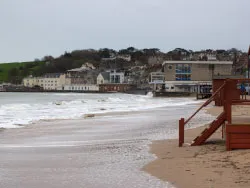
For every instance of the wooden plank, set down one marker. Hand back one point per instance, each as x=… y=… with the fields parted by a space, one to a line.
x=240 y=136
x=241 y=103
x=240 y=141
x=228 y=141
x=238 y=129
x=181 y=132
x=239 y=146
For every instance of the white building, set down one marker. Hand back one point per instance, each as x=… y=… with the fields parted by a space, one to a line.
x=30 y=81
x=112 y=77
x=57 y=81
x=117 y=77
x=157 y=77
x=81 y=87
x=103 y=78
x=50 y=81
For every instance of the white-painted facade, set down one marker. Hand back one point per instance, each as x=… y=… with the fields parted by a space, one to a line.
x=157 y=78
x=47 y=82
x=184 y=86
x=57 y=82
x=101 y=79
x=81 y=87
x=117 y=77
x=30 y=81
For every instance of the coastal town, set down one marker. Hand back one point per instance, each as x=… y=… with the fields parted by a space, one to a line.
x=124 y=94
x=178 y=72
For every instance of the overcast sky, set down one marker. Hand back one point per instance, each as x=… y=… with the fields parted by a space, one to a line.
x=34 y=28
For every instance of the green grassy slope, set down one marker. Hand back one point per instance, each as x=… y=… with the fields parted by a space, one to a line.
x=23 y=69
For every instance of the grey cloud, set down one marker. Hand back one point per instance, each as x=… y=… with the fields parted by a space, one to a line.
x=33 y=28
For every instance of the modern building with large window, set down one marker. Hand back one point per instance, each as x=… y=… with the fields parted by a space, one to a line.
x=185 y=76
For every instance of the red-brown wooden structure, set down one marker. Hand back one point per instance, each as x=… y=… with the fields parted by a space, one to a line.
x=225 y=94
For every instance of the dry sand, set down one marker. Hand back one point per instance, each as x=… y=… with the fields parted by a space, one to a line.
x=206 y=166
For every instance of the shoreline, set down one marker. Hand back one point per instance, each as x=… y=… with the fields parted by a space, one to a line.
x=98 y=152
x=209 y=165
x=102 y=113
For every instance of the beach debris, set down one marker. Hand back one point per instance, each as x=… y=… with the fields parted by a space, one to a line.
x=101 y=100
x=58 y=103
x=89 y=115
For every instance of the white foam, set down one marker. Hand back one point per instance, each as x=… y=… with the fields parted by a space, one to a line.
x=20 y=109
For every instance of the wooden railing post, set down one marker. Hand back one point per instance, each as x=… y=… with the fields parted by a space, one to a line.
x=181 y=132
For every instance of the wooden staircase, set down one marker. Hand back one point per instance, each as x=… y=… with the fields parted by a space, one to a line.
x=206 y=133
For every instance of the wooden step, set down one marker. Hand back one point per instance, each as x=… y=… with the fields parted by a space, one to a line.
x=204 y=131
x=207 y=132
x=196 y=138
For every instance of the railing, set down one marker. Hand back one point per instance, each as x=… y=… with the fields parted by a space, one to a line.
x=182 y=121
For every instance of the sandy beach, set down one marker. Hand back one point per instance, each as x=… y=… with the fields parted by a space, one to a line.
x=206 y=166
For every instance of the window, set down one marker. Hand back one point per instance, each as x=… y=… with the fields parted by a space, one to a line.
x=183 y=68
x=183 y=72
x=117 y=79
x=112 y=79
x=183 y=77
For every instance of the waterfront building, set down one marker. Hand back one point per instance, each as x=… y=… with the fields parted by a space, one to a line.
x=116 y=87
x=103 y=78
x=82 y=88
x=86 y=74
x=112 y=77
x=116 y=77
x=186 y=76
x=49 y=81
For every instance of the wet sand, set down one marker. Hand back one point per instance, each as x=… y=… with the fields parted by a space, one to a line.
x=93 y=152
x=206 y=166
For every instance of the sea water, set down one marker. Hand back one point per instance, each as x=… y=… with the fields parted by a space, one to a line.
x=104 y=151
x=23 y=108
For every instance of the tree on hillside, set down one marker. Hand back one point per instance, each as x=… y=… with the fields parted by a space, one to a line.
x=13 y=76
x=131 y=49
x=123 y=51
x=151 y=51
x=48 y=58
x=106 y=53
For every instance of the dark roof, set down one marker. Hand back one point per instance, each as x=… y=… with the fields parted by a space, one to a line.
x=105 y=75
x=52 y=75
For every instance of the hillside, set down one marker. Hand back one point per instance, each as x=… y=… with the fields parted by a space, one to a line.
x=14 y=72
x=139 y=62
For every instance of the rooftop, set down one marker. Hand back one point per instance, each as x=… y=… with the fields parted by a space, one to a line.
x=105 y=75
